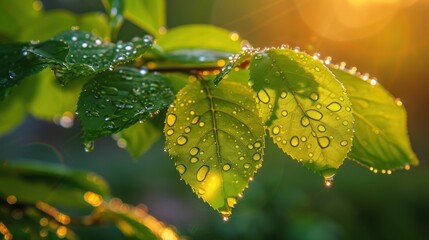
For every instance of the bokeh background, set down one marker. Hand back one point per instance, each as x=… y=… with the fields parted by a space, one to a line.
x=389 y=39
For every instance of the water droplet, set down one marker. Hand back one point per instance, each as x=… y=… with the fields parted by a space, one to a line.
x=202 y=173
x=344 y=143
x=256 y=157
x=314 y=114
x=329 y=181
x=323 y=142
x=109 y=91
x=321 y=128
x=201 y=191
x=345 y=122
x=334 y=107
x=283 y=94
x=348 y=109
x=314 y=96
x=194 y=151
x=304 y=139
x=317 y=69
x=257 y=56
x=195 y=120
x=170 y=132
x=89 y=146
x=304 y=121
x=225 y=217
x=12 y=74
x=181 y=168
x=182 y=140
x=171 y=119
x=231 y=201
x=263 y=96
x=84 y=45
x=257 y=145
x=284 y=113
x=201 y=124
x=246 y=166
x=226 y=167
x=250 y=146
x=275 y=130
x=187 y=130
x=294 y=141
x=194 y=160
x=267 y=81
x=398 y=102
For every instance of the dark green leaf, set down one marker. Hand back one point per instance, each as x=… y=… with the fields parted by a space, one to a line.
x=21 y=60
x=381 y=140
x=140 y=137
x=89 y=55
x=31 y=182
x=305 y=108
x=28 y=222
x=216 y=139
x=115 y=100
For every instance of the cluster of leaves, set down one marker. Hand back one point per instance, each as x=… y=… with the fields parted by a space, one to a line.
x=220 y=110
x=32 y=189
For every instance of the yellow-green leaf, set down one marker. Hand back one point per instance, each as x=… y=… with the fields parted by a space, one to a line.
x=139 y=137
x=381 y=140
x=216 y=139
x=306 y=109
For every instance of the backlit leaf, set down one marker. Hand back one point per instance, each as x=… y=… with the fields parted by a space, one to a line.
x=381 y=140
x=147 y=14
x=89 y=55
x=139 y=137
x=305 y=108
x=233 y=62
x=216 y=139
x=31 y=182
x=115 y=100
x=53 y=22
x=199 y=36
x=17 y=15
x=60 y=100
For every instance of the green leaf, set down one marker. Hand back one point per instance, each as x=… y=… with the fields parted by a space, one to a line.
x=115 y=11
x=89 y=55
x=32 y=182
x=381 y=140
x=53 y=22
x=47 y=25
x=305 y=108
x=199 y=36
x=17 y=15
x=146 y=14
x=21 y=60
x=235 y=61
x=28 y=222
x=60 y=100
x=196 y=56
x=216 y=139
x=139 y=137
x=14 y=107
x=115 y=100
x=129 y=220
